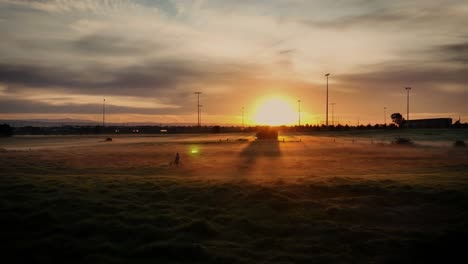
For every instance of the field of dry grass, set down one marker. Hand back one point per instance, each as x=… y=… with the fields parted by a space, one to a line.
x=309 y=199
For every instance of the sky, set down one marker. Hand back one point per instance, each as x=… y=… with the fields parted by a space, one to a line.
x=61 y=58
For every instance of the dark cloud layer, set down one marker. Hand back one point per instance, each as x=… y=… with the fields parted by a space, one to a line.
x=407 y=75
x=375 y=18
x=139 y=80
x=448 y=66
x=99 y=44
x=397 y=16
x=457 y=52
x=434 y=89
x=169 y=82
x=18 y=106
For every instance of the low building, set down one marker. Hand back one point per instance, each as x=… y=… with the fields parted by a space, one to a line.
x=429 y=123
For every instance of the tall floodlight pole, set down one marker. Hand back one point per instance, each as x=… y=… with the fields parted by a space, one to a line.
x=385 y=115
x=103 y=112
x=326 y=122
x=333 y=113
x=299 y=111
x=407 y=103
x=198 y=108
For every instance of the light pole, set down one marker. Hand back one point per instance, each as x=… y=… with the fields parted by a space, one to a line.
x=385 y=116
x=198 y=108
x=299 y=111
x=333 y=113
x=407 y=104
x=103 y=112
x=199 y=114
x=326 y=119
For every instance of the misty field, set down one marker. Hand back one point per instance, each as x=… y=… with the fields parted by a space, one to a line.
x=325 y=198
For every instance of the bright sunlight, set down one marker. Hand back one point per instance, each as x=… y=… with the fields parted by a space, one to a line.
x=275 y=111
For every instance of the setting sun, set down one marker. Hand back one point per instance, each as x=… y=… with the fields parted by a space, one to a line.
x=275 y=111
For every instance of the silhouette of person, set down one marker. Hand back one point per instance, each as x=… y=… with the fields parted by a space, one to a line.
x=177 y=159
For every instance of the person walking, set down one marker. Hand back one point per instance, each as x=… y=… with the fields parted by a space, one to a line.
x=177 y=159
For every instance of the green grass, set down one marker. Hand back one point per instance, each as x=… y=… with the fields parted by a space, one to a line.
x=55 y=209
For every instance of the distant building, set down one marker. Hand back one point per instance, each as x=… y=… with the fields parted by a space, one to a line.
x=429 y=123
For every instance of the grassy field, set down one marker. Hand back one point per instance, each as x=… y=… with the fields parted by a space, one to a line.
x=332 y=198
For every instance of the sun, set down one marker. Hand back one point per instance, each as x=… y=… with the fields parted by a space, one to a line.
x=275 y=111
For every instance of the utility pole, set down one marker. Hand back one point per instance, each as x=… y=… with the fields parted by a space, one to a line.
x=299 y=111
x=385 y=115
x=333 y=113
x=104 y=112
x=198 y=109
x=407 y=104
x=326 y=122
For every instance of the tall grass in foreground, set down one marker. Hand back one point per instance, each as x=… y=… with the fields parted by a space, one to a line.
x=90 y=218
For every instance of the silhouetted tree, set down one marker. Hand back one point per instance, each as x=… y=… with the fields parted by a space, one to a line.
x=6 y=130
x=398 y=119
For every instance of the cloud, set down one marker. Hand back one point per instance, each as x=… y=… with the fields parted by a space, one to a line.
x=170 y=82
x=375 y=18
x=404 y=75
x=69 y=6
x=19 y=106
x=142 y=79
x=286 y=51
x=457 y=52
x=98 y=44
x=435 y=89
x=396 y=16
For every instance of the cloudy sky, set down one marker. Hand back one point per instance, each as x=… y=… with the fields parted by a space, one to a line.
x=60 y=58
